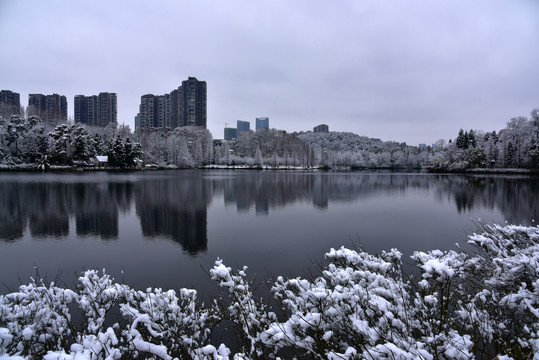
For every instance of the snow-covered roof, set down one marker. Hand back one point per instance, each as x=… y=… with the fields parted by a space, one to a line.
x=102 y=158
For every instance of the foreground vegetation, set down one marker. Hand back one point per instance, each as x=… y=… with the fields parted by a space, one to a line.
x=361 y=306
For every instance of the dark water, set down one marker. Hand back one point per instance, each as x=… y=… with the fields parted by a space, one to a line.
x=160 y=228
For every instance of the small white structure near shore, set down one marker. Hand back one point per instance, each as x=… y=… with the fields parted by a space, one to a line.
x=101 y=160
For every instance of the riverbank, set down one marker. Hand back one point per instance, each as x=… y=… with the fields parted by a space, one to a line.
x=66 y=168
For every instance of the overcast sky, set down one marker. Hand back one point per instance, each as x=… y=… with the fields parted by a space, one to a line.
x=413 y=71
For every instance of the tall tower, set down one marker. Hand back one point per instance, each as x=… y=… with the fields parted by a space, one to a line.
x=106 y=109
x=242 y=126
x=262 y=123
x=192 y=99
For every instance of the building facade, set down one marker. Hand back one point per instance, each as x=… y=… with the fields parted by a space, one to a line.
x=96 y=110
x=322 y=128
x=262 y=123
x=230 y=133
x=242 y=126
x=50 y=108
x=10 y=103
x=192 y=103
x=184 y=106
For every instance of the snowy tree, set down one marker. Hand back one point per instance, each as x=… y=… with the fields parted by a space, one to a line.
x=82 y=144
x=258 y=158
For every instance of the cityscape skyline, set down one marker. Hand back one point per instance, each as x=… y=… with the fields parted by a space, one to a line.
x=410 y=72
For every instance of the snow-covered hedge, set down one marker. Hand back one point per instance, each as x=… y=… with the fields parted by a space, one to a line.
x=456 y=306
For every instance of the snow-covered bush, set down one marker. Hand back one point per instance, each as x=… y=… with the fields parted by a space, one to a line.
x=482 y=305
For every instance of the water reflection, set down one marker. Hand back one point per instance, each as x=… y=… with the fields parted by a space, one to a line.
x=175 y=208
x=174 y=205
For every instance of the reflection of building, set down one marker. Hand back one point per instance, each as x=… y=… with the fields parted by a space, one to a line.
x=96 y=211
x=50 y=108
x=12 y=213
x=322 y=128
x=175 y=209
x=101 y=223
x=320 y=192
x=96 y=110
x=184 y=106
x=262 y=123
x=10 y=103
x=242 y=126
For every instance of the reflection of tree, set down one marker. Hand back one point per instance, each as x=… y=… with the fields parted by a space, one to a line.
x=175 y=204
x=46 y=206
x=514 y=196
x=175 y=207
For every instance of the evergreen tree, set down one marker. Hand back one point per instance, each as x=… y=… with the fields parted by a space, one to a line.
x=461 y=141
x=128 y=153
x=116 y=153
x=472 y=141
x=81 y=144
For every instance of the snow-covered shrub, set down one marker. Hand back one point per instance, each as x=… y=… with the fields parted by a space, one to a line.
x=247 y=314
x=163 y=323
x=509 y=263
x=482 y=305
x=35 y=319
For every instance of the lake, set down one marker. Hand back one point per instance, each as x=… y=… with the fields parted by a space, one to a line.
x=162 y=228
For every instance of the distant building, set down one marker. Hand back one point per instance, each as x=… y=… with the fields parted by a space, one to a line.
x=146 y=118
x=262 y=123
x=192 y=103
x=10 y=103
x=422 y=146
x=322 y=128
x=184 y=106
x=96 y=110
x=50 y=108
x=230 y=133
x=242 y=126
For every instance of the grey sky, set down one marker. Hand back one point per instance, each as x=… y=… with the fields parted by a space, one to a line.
x=412 y=71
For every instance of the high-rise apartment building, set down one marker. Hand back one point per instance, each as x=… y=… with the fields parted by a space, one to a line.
x=146 y=118
x=242 y=126
x=50 y=108
x=107 y=109
x=192 y=101
x=96 y=110
x=230 y=133
x=262 y=123
x=10 y=103
x=184 y=106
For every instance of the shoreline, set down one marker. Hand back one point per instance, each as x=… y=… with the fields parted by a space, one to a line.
x=73 y=169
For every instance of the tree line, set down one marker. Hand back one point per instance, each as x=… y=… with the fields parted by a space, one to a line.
x=27 y=141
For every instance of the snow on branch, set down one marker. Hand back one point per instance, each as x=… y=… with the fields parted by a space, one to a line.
x=455 y=305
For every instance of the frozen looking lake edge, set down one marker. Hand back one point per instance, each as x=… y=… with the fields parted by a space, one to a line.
x=483 y=304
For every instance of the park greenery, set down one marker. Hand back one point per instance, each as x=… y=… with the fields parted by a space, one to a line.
x=27 y=142
x=452 y=305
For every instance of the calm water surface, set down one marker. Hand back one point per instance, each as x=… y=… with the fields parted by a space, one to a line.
x=159 y=228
